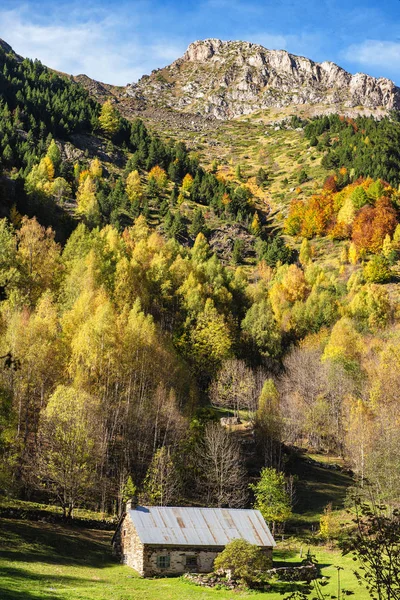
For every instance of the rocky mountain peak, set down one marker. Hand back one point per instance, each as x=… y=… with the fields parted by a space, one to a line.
x=8 y=49
x=226 y=79
x=202 y=50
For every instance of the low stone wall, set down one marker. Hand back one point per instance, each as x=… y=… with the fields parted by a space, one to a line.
x=302 y=573
x=211 y=580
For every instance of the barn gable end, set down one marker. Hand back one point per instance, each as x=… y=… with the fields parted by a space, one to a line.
x=127 y=545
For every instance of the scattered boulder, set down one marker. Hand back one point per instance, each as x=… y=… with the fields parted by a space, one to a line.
x=223 y=238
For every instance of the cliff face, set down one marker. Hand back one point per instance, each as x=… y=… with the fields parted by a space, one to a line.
x=229 y=79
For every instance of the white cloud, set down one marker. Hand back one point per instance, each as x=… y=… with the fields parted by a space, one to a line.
x=93 y=47
x=374 y=53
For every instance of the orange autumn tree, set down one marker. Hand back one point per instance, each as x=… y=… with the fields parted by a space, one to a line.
x=372 y=224
x=318 y=216
x=311 y=218
x=330 y=184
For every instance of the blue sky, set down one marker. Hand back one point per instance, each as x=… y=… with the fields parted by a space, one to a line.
x=117 y=42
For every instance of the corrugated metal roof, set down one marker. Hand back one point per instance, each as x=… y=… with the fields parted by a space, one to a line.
x=186 y=526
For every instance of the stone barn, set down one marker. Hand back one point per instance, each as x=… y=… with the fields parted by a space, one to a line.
x=157 y=540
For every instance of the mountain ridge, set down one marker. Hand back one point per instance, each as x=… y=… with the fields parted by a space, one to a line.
x=216 y=79
x=227 y=79
x=9 y=50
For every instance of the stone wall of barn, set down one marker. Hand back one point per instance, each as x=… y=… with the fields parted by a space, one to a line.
x=127 y=545
x=180 y=559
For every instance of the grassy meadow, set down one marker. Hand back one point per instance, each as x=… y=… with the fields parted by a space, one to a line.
x=42 y=561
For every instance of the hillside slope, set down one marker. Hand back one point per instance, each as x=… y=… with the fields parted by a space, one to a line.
x=178 y=277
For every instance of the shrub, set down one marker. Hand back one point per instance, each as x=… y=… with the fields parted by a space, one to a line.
x=303 y=177
x=329 y=524
x=245 y=561
x=377 y=270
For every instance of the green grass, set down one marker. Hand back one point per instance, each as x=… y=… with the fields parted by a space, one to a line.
x=316 y=487
x=40 y=561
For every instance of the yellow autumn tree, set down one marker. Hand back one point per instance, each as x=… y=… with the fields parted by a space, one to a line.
x=34 y=337
x=269 y=422
x=226 y=200
x=371 y=306
x=396 y=237
x=47 y=165
x=256 y=224
x=344 y=344
x=159 y=176
x=289 y=286
x=40 y=177
x=353 y=254
x=305 y=252
x=388 y=247
x=344 y=255
x=95 y=169
x=69 y=446
x=210 y=340
x=87 y=205
x=187 y=184
x=347 y=212
x=109 y=119
x=329 y=524
x=53 y=152
x=39 y=258
x=94 y=351
x=134 y=188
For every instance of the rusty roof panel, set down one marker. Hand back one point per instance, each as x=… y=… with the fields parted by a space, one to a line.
x=187 y=526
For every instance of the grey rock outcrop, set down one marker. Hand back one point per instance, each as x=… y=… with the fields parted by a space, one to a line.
x=229 y=79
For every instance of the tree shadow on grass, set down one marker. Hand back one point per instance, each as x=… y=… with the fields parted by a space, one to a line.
x=287 y=587
x=48 y=584
x=317 y=486
x=54 y=544
x=6 y=594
